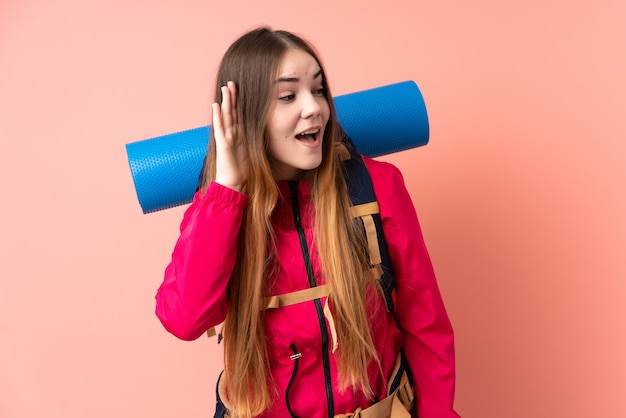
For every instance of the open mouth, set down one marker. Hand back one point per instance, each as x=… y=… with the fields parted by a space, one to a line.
x=309 y=136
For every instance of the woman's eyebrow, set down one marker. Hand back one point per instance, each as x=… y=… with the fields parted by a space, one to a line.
x=296 y=79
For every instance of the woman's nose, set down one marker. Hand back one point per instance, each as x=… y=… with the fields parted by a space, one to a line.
x=311 y=105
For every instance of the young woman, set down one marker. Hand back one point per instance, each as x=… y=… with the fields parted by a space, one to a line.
x=272 y=218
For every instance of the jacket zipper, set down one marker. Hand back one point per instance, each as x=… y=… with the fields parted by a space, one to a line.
x=293 y=188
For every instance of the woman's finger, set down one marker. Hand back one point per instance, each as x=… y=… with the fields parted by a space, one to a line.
x=227 y=111
x=232 y=87
x=218 y=129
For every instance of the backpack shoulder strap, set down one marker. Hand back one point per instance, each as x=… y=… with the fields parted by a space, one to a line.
x=365 y=208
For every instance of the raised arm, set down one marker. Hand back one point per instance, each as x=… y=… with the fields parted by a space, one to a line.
x=193 y=295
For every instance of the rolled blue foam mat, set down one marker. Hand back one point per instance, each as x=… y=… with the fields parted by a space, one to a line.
x=380 y=121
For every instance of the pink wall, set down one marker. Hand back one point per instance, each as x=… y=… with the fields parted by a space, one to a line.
x=522 y=191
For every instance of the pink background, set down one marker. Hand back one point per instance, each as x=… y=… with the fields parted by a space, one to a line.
x=521 y=192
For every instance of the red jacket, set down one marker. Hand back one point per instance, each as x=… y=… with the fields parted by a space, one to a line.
x=193 y=299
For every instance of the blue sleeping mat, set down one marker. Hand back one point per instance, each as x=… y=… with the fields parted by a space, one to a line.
x=380 y=121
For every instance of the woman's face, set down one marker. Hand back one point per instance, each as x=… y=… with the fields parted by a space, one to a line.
x=297 y=116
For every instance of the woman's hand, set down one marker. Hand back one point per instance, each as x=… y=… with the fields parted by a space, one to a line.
x=231 y=165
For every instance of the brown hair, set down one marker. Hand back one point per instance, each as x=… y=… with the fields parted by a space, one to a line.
x=252 y=62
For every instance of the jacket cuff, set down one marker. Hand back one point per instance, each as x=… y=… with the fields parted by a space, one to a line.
x=222 y=197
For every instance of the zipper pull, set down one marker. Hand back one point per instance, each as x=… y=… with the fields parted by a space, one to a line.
x=295 y=355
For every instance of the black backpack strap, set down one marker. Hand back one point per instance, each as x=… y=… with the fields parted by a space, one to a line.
x=365 y=207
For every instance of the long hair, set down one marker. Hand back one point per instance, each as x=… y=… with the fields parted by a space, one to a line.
x=252 y=62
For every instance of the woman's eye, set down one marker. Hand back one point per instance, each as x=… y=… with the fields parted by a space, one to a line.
x=320 y=92
x=287 y=97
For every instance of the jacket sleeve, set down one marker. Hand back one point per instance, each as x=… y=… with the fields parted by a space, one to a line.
x=192 y=297
x=428 y=341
